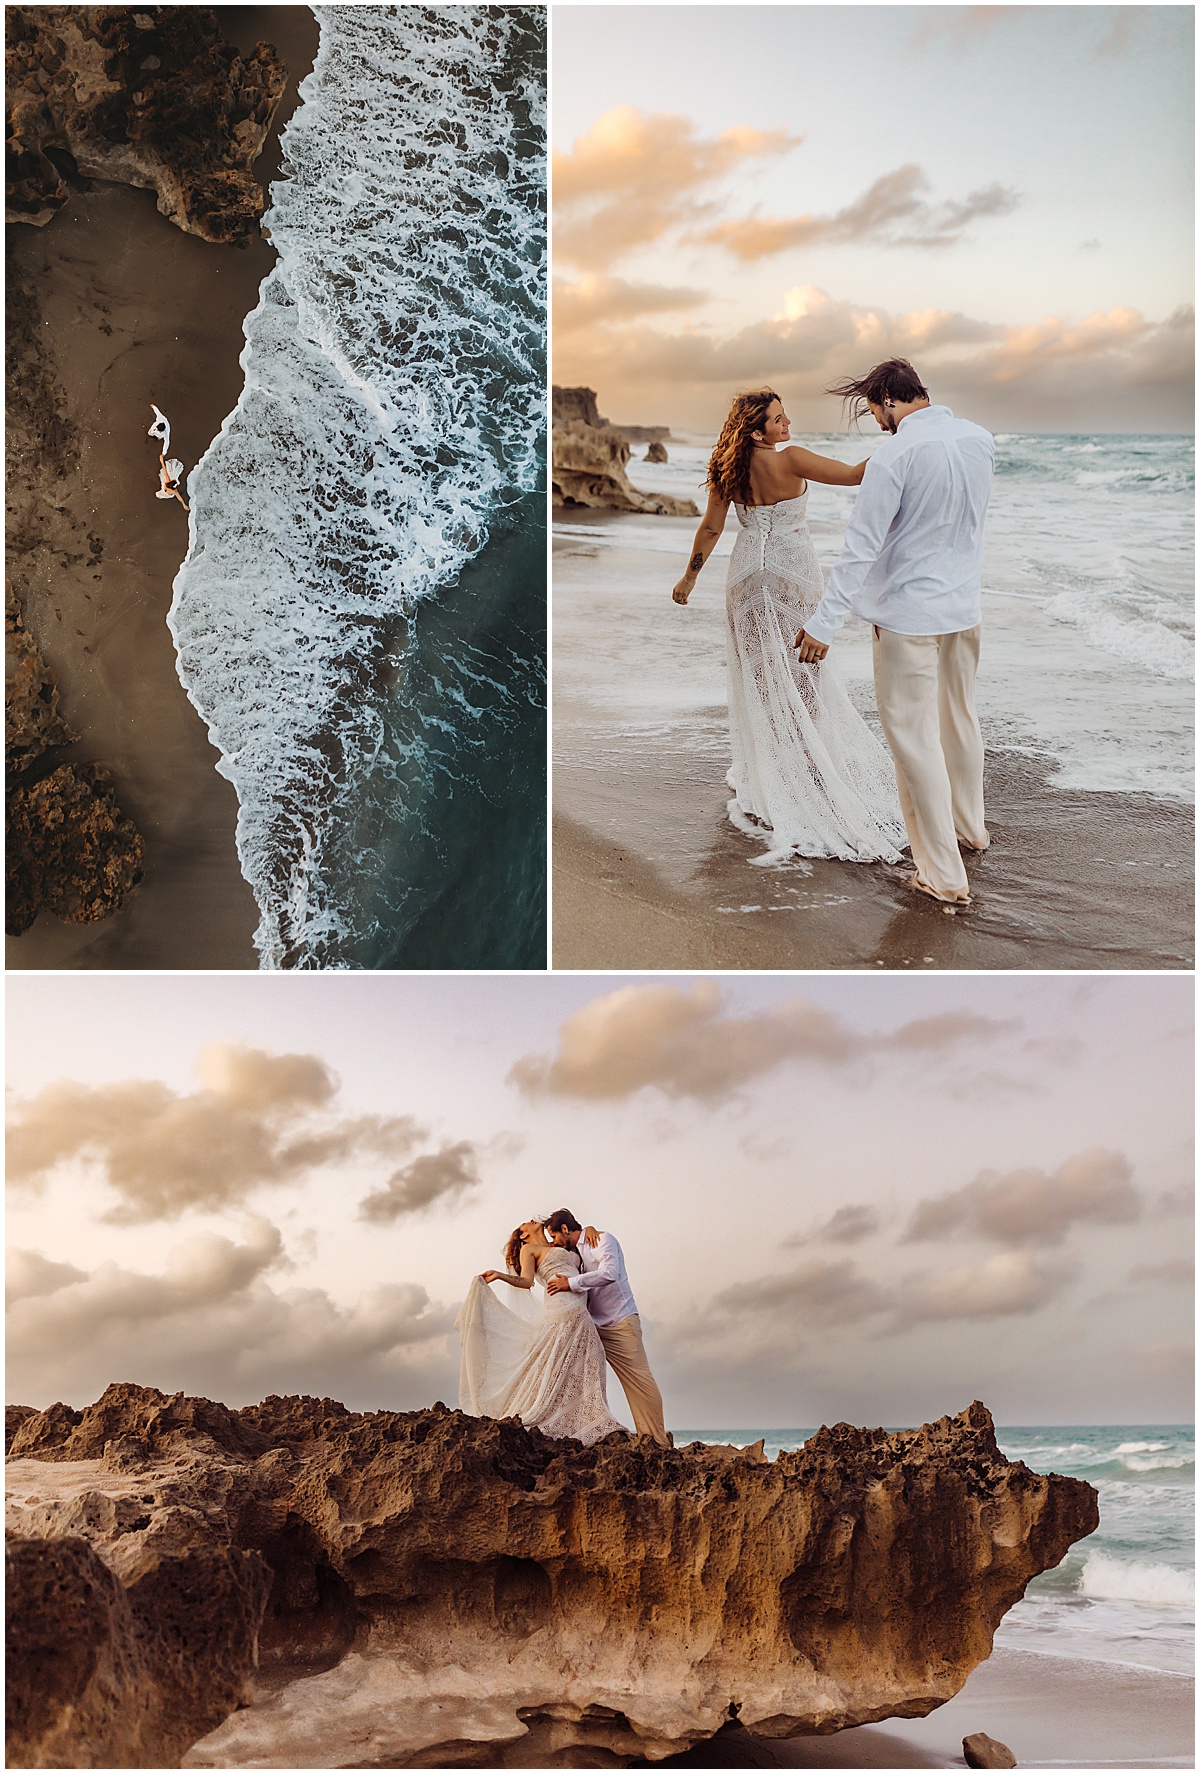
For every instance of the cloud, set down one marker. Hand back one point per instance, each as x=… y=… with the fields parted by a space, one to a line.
x=1177 y=1272
x=441 y=1176
x=818 y=1291
x=258 y=1119
x=893 y=212
x=1057 y=373
x=847 y=1226
x=595 y=299
x=212 y=1323
x=684 y=1042
x=1010 y=1283
x=964 y=25
x=1168 y=1361
x=1033 y=1206
x=634 y=177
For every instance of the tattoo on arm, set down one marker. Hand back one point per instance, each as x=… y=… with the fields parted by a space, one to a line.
x=696 y=562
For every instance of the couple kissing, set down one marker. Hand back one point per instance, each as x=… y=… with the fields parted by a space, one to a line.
x=548 y=1366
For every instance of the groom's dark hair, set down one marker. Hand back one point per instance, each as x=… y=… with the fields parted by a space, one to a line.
x=894 y=380
x=563 y=1221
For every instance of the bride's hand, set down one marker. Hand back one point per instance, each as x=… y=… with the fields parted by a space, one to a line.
x=491 y=1275
x=683 y=590
x=591 y=1235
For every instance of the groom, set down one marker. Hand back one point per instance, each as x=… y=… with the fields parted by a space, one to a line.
x=910 y=566
x=614 y=1313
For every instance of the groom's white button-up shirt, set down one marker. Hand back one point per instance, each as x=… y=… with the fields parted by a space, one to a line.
x=604 y=1281
x=913 y=549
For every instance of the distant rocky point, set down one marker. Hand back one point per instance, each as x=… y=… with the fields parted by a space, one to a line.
x=590 y=456
x=296 y=1584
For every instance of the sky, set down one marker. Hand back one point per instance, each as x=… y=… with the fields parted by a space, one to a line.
x=868 y=1200
x=787 y=194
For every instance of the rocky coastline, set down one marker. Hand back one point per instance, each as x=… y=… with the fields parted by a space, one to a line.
x=589 y=457
x=295 y=1584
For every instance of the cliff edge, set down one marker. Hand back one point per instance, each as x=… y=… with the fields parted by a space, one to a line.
x=589 y=458
x=431 y=1589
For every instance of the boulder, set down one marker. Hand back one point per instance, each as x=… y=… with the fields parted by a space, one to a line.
x=657 y=452
x=153 y=97
x=449 y=1590
x=982 y=1751
x=70 y=849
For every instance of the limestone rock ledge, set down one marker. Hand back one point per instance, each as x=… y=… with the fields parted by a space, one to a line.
x=150 y=96
x=452 y=1591
x=589 y=457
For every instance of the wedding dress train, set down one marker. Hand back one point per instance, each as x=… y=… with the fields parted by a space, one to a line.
x=808 y=774
x=547 y=1368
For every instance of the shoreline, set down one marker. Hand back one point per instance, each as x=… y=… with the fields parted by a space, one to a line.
x=1051 y=1710
x=624 y=896
x=649 y=872
x=130 y=309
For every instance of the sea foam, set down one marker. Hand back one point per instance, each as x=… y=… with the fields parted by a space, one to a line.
x=1134 y=1580
x=393 y=414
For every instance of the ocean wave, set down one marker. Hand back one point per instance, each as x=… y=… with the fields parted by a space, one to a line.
x=1106 y=1578
x=1151 y=645
x=392 y=417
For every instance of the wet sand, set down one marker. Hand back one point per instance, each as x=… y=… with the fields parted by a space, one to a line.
x=649 y=873
x=131 y=310
x=1052 y=1712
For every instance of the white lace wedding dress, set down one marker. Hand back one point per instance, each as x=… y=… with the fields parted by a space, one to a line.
x=808 y=774
x=547 y=1368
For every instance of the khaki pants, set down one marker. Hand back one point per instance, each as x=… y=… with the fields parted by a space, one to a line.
x=627 y=1359
x=925 y=693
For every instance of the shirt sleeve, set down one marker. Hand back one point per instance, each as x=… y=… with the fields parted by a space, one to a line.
x=607 y=1258
x=877 y=504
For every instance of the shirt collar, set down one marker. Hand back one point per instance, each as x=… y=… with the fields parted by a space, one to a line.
x=924 y=413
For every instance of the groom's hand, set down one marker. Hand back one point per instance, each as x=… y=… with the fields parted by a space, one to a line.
x=557 y=1283
x=811 y=651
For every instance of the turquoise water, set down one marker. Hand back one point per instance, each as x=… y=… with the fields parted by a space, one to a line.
x=1126 y=1594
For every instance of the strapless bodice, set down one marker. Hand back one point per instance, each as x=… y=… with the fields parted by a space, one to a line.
x=785 y=514
x=557 y=1262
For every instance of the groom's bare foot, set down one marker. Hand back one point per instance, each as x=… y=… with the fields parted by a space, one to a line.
x=966 y=844
x=944 y=900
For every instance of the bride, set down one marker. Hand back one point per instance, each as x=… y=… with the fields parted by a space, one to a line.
x=808 y=774
x=547 y=1368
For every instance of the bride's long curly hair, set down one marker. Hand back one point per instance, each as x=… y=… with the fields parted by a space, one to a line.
x=729 y=464
x=512 y=1250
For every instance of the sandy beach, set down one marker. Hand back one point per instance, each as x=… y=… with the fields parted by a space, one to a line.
x=1052 y=1712
x=648 y=871
x=128 y=310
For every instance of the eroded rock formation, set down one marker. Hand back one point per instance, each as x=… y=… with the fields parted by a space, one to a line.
x=70 y=849
x=32 y=721
x=455 y=1591
x=589 y=458
x=588 y=468
x=153 y=97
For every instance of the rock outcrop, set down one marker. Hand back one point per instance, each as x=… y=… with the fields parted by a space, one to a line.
x=153 y=97
x=32 y=721
x=455 y=1591
x=70 y=849
x=589 y=458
